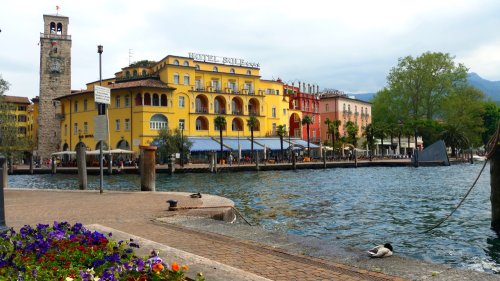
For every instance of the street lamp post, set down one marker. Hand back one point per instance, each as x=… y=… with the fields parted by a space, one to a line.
x=101 y=109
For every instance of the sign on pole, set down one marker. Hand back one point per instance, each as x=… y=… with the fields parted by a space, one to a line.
x=102 y=94
x=100 y=128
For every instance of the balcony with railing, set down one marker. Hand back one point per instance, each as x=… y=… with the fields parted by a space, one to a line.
x=253 y=113
x=201 y=109
x=220 y=111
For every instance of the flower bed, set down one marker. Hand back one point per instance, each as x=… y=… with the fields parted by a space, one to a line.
x=66 y=252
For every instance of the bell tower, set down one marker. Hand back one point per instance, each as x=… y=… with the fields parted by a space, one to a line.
x=55 y=81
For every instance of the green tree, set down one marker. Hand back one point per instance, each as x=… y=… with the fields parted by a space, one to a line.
x=252 y=123
x=464 y=109
x=416 y=90
x=220 y=122
x=352 y=133
x=171 y=142
x=281 y=132
x=423 y=82
x=307 y=120
x=369 y=133
x=490 y=116
x=454 y=136
x=4 y=85
x=12 y=143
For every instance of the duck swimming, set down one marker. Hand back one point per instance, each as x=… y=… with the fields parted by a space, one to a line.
x=381 y=251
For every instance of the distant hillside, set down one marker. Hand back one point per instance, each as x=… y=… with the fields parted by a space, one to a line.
x=490 y=88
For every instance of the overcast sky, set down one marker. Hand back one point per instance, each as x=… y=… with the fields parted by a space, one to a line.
x=345 y=45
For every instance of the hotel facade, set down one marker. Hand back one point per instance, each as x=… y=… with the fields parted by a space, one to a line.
x=177 y=92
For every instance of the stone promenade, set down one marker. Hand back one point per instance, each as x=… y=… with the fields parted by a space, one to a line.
x=136 y=213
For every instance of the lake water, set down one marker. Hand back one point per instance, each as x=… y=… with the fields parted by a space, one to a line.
x=358 y=207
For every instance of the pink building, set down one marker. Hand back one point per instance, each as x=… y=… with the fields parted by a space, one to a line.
x=336 y=105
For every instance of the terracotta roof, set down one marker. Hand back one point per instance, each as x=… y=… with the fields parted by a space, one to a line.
x=149 y=83
x=146 y=83
x=14 y=99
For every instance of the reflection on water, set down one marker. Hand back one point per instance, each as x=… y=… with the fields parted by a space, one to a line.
x=359 y=207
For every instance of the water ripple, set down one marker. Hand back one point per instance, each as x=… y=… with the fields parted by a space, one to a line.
x=360 y=207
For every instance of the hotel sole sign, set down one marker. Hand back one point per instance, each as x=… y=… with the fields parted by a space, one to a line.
x=223 y=60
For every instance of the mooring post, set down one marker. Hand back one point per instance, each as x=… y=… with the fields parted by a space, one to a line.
x=148 y=168
x=171 y=164
x=324 y=160
x=31 y=162
x=294 y=160
x=110 y=164
x=355 y=158
x=257 y=161
x=81 y=163
x=495 y=189
x=215 y=162
x=54 y=165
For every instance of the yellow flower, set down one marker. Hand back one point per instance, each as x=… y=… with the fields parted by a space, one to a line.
x=185 y=268
x=69 y=279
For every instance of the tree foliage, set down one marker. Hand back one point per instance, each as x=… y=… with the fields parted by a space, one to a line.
x=12 y=143
x=307 y=120
x=4 y=85
x=490 y=117
x=171 y=142
x=252 y=123
x=426 y=96
x=220 y=122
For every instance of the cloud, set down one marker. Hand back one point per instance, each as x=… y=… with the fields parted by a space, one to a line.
x=348 y=45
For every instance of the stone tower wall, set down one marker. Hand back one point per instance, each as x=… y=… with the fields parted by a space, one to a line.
x=55 y=81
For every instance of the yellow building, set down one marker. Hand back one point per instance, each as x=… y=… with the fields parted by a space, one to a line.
x=18 y=110
x=177 y=92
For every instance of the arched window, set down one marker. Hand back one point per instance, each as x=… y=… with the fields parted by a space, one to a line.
x=215 y=69
x=123 y=144
x=52 y=27
x=59 y=28
x=163 y=101
x=176 y=78
x=186 y=79
x=186 y=63
x=127 y=74
x=232 y=71
x=156 y=100
x=134 y=74
x=144 y=72
x=138 y=99
x=249 y=72
x=176 y=62
x=147 y=99
x=158 y=122
x=197 y=67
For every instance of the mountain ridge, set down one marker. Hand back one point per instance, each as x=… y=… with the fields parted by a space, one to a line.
x=490 y=88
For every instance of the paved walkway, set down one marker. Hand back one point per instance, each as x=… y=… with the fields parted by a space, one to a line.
x=136 y=213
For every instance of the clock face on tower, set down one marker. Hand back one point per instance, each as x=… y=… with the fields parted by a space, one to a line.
x=55 y=65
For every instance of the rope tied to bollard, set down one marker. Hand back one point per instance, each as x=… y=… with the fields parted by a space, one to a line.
x=490 y=146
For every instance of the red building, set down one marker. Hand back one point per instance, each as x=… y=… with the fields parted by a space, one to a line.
x=304 y=97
